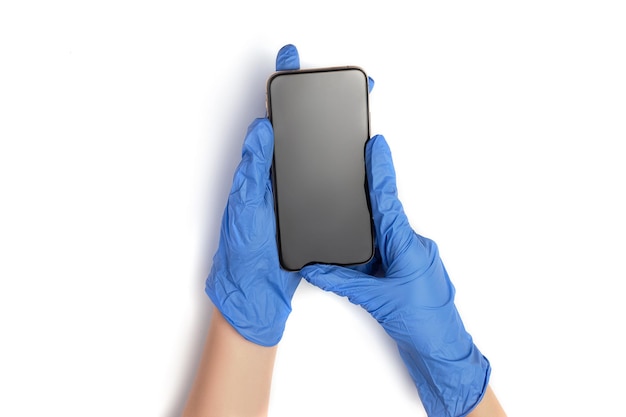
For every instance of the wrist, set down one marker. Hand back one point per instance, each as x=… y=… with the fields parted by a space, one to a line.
x=234 y=376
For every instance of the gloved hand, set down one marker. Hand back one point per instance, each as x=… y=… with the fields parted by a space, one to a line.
x=407 y=290
x=246 y=282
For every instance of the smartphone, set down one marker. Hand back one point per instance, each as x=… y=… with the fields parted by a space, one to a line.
x=321 y=200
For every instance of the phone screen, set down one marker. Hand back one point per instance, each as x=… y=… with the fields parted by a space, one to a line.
x=321 y=124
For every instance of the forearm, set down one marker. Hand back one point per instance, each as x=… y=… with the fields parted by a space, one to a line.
x=234 y=375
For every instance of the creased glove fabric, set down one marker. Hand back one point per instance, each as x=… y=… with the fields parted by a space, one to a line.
x=246 y=282
x=408 y=291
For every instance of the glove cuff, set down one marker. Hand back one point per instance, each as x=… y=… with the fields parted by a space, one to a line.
x=266 y=332
x=449 y=371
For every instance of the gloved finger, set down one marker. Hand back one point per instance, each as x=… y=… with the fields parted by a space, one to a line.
x=252 y=174
x=342 y=281
x=370 y=84
x=373 y=267
x=287 y=58
x=393 y=232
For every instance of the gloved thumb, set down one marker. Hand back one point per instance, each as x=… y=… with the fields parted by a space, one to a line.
x=342 y=281
x=253 y=172
x=393 y=232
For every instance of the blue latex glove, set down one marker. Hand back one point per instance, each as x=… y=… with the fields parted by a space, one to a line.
x=407 y=290
x=246 y=282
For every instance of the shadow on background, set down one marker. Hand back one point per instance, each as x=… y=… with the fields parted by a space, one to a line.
x=250 y=103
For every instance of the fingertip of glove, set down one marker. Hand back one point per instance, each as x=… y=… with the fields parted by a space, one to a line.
x=261 y=125
x=260 y=135
x=377 y=144
x=288 y=58
x=378 y=156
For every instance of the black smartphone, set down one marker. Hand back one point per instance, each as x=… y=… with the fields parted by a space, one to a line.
x=321 y=125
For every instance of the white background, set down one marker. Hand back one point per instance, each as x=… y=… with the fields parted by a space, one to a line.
x=121 y=124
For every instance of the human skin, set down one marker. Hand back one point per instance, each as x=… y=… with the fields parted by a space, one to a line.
x=489 y=406
x=235 y=376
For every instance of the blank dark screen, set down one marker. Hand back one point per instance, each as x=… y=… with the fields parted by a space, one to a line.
x=321 y=125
